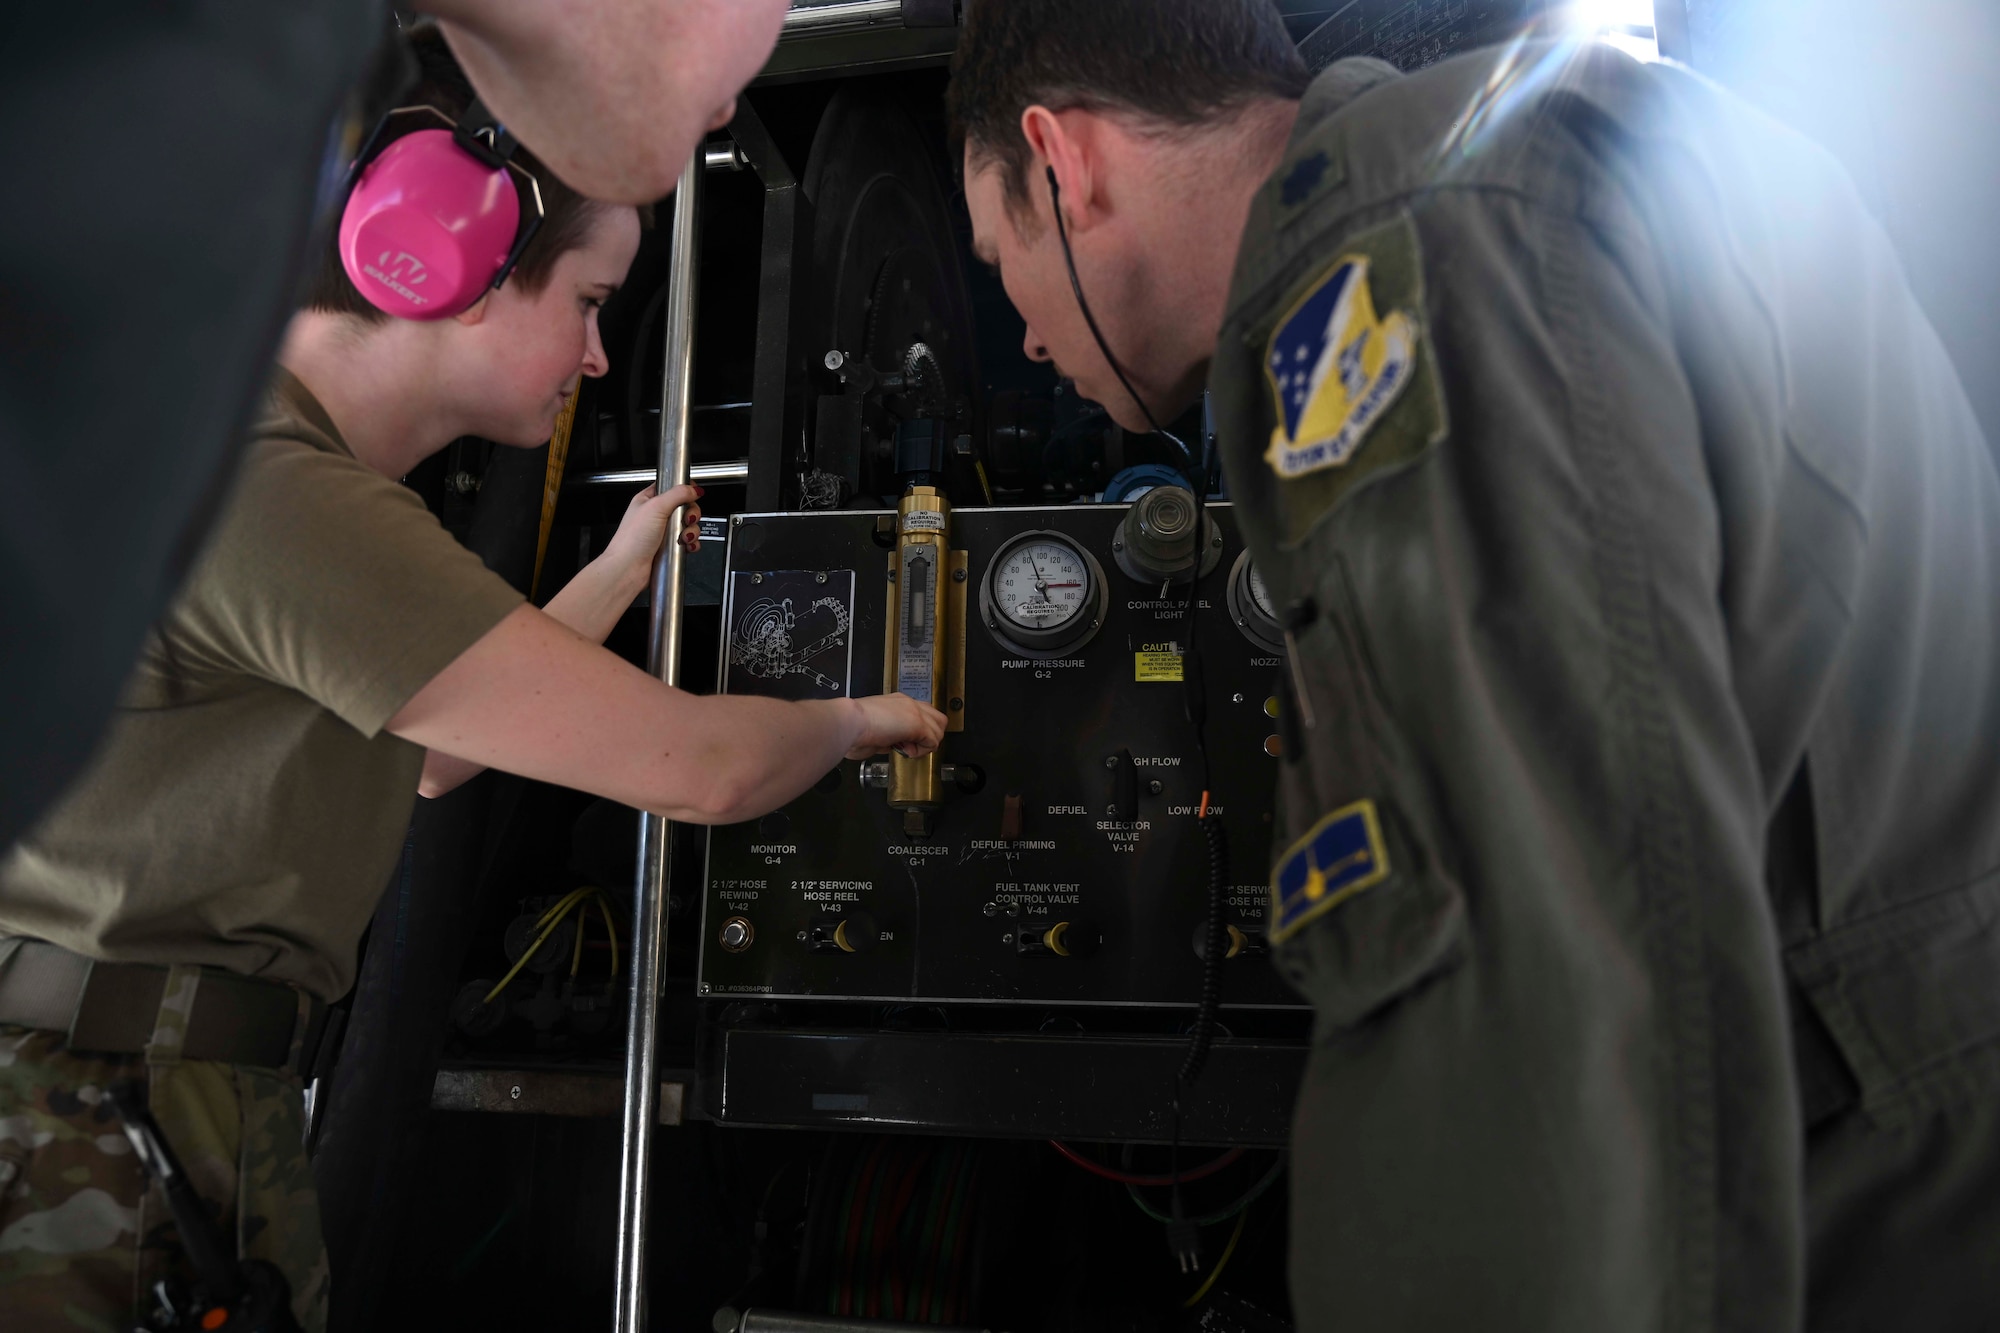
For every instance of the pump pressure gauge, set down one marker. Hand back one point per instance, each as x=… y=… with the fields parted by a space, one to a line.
x=1043 y=595
x=1251 y=607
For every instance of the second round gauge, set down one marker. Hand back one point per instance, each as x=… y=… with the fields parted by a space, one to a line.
x=1043 y=595
x=1251 y=607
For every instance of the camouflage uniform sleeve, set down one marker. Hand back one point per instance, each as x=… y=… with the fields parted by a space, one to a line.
x=1550 y=1082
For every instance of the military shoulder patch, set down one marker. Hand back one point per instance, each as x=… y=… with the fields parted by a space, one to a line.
x=1341 y=856
x=1334 y=368
x=1351 y=383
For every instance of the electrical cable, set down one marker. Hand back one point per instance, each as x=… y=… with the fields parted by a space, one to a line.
x=559 y=911
x=1213 y=951
x=1222 y=1214
x=859 y=1196
x=884 y=1282
x=1076 y=285
x=892 y=1279
x=1096 y=1168
x=919 y=1292
x=604 y=906
x=1220 y=1264
x=1195 y=702
x=955 y=1295
x=953 y=1231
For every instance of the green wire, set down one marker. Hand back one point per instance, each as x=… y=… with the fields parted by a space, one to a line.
x=961 y=1188
x=854 y=1278
x=864 y=1255
x=846 y=1216
x=1231 y=1210
x=913 y=1298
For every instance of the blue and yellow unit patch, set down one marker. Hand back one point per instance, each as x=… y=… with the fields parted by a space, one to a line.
x=1334 y=368
x=1343 y=855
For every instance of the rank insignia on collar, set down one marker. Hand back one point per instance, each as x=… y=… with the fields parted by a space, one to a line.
x=1341 y=856
x=1334 y=369
x=1302 y=179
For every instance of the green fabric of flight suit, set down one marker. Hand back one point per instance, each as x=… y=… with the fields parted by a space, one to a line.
x=1658 y=617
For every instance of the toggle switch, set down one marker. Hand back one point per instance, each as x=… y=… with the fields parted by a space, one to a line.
x=1010 y=817
x=1124 y=787
x=1237 y=941
x=856 y=932
x=1059 y=939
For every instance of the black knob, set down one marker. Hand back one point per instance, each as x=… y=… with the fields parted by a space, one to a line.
x=1234 y=941
x=1073 y=939
x=857 y=933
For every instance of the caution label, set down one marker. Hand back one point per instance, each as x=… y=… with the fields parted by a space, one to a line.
x=1156 y=661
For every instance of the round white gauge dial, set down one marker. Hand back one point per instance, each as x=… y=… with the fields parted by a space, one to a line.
x=1252 y=607
x=1260 y=594
x=1042 y=585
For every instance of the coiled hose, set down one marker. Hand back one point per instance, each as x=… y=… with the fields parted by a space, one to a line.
x=1213 y=949
x=920 y=366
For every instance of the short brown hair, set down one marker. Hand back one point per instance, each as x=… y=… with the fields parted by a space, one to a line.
x=567 y=215
x=1179 y=62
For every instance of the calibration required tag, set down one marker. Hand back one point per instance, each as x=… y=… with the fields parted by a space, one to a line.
x=923 y=520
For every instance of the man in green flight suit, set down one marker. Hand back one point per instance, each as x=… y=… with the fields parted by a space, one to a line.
x=1641 y=559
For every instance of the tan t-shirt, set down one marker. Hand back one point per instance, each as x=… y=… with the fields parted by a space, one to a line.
x=247 y=808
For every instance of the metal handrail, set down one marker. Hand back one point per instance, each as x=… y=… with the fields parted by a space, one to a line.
x=810 y=20
x=702 y=474
x=649 y=917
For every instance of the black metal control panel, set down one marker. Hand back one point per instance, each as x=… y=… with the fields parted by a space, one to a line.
x=1065 y=865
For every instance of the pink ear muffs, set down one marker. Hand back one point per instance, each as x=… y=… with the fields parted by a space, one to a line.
x=433 y=221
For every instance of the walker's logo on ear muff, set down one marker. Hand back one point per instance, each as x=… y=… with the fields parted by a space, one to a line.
x=395 y=273
x=448 y=192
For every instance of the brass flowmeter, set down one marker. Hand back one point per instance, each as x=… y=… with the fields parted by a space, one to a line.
x=925 y=648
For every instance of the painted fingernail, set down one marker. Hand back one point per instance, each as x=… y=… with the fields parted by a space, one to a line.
x=700 y=491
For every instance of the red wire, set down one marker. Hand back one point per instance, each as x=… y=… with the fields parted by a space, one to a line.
x=1096 y=1168
x=934 y=1269
x=954 y=1296
x=903 y=1199
x=854 y=1224
x=889 y=1184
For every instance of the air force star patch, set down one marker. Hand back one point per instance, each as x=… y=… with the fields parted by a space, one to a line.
x=1334 y=368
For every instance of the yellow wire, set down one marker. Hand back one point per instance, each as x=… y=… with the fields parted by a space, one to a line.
x=576 y=954
x=1216 y=1272
x=563 y=904
x=604 y=906
x=561 y=910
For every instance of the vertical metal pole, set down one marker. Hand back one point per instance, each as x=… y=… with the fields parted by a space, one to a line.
x=1670 y=30
x=649 y=915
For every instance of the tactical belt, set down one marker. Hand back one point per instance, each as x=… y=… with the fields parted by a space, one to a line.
x=114 y=1008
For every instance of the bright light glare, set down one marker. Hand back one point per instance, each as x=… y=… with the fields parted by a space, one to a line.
x=1612 y=13
x=1625 y=24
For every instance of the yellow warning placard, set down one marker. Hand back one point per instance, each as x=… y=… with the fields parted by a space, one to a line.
x=1156 y=661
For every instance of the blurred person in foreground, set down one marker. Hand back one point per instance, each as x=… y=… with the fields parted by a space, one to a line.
x=168 y=162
